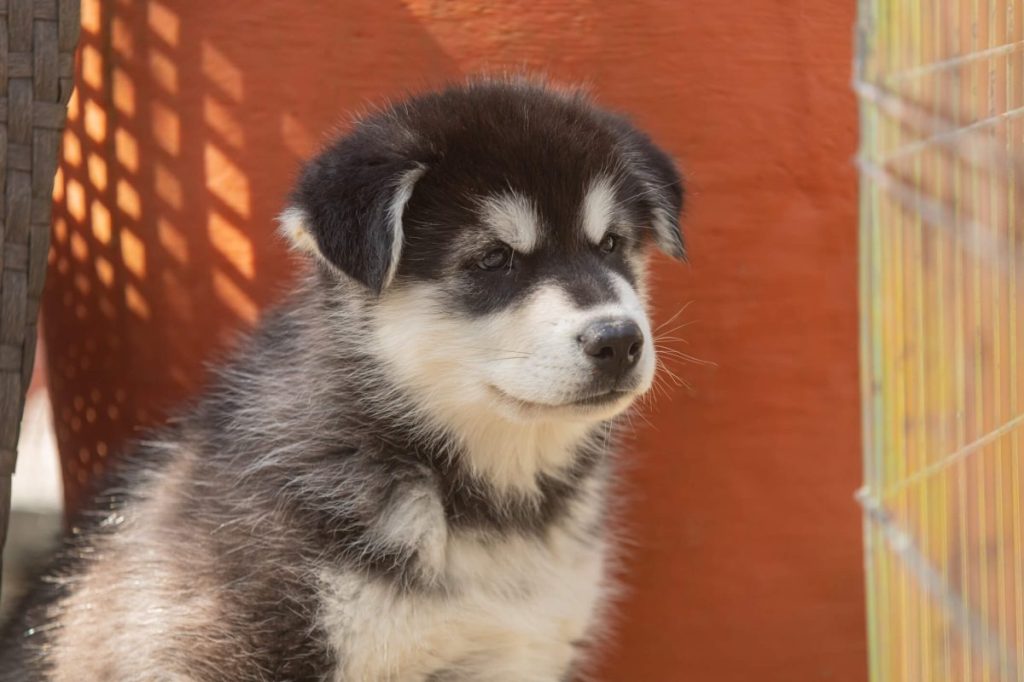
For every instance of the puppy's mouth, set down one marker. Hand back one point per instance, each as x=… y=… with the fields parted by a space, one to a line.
x=600 y=399
x=595 y=400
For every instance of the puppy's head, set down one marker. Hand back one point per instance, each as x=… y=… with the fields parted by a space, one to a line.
x=497 y=231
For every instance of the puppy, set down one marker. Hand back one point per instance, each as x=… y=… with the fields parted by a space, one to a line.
x=402 y=474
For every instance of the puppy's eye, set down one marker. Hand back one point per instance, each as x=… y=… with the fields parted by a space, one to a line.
x=498 y=257
x=609 y=243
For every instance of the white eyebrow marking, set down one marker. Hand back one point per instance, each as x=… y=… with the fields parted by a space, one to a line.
x=514 y=218
x=598 y=208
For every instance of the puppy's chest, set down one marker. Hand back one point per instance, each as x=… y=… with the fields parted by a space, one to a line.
x=519 y=608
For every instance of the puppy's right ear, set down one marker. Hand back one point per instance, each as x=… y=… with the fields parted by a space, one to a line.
x=347 y=209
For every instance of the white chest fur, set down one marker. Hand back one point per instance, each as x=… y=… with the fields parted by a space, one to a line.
x=514 y=609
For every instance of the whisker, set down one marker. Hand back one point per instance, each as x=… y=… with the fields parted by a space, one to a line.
x=676 y=328
x=676 y=353
x=668 y=373
x=677 y=339
x=672 y=376
x=674 y=317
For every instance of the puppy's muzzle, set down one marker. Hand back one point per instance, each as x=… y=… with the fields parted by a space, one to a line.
x=614 y=346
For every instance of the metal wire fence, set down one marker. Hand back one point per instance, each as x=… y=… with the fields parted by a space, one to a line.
x=941 y=93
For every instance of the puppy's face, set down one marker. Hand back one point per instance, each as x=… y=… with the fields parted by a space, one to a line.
x=500 y=231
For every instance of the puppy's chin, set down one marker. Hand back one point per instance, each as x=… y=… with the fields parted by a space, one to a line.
x=592 y=408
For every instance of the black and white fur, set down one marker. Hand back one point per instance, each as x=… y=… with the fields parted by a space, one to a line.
x=401 y=475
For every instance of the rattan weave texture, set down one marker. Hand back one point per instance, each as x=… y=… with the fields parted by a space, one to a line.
x=37 y=45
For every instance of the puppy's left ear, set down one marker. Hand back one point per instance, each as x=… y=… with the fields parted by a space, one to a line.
x=664 y=189
x=348 y=206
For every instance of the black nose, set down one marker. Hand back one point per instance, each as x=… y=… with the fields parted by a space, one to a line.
x=614 y=345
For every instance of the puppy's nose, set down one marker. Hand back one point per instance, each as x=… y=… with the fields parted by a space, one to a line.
x=614 y=345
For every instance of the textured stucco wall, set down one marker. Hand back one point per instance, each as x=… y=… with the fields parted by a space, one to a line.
x=188 y=125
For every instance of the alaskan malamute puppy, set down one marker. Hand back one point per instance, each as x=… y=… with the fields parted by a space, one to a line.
x=402 y=474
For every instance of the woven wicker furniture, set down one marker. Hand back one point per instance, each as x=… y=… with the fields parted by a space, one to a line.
x=37 y=44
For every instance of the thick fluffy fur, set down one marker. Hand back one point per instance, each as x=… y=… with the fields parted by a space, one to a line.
x=402 y=474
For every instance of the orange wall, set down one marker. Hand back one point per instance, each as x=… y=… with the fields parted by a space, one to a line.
x=188 y=125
